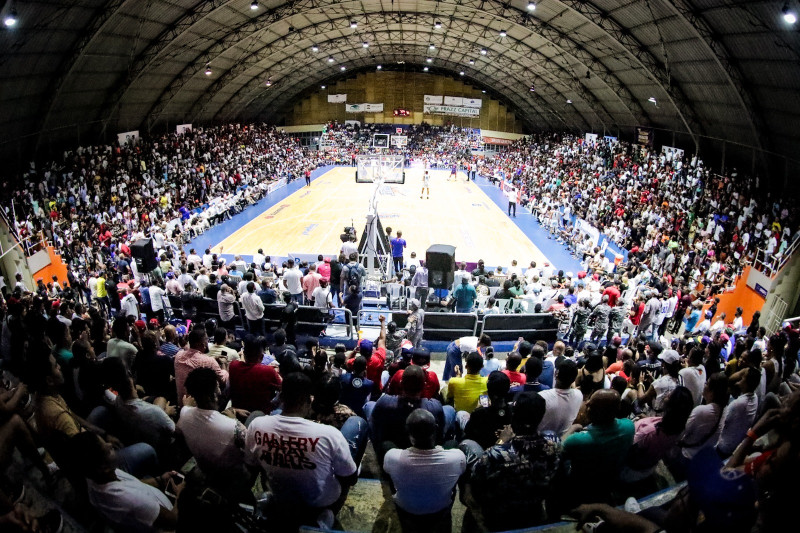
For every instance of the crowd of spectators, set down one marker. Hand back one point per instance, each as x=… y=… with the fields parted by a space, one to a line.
x=641 y=381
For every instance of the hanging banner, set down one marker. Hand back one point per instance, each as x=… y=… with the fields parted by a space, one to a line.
x=128 y=137
x=591 y=138
x=644 y=136
x=433 y=99
x=337 y=98
x=451 y=110
x=452 y=100
x=363 y=108
x=471 y=102
x=183 y=128
x=672 y=153
x=498 y=141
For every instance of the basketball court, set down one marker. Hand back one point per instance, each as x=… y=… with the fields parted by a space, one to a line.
x=458 y=213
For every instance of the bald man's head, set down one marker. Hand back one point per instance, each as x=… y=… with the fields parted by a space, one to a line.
x=603 y=406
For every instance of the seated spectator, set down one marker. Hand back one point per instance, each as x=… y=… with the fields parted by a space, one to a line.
x=419 y=357
x=596 y=452
x=356 y=387
x=740 y=414
x=656 y=436
x=326 y=409
x=533 y=369
x=119 y=346
x=514 y=474
x=219 y=348
x=486 y=421
x=125 y=501
x=387 y=415
x=513 y=362
x=424 y=477
x=563 y=402
x=155 y=371
x=215 y=440
x=279 y=347
x=660 y=389
x=464 y=393
x=309 y=480
x=253 y=385
x=195 y=357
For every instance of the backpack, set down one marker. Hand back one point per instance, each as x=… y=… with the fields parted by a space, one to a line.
x=353 y=276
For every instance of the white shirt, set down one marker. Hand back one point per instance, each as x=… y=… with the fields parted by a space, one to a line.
x=694 y=379
x=253 y=306
x=322 y=297
x=664 y=387
x=128 y=502
x=156 y=293
x=424 y=479
x=702 y=421
x=128 y=305
x=300 y=458
x=738 y=417
x=293 y=279
x=562 y=406
x=213 y=438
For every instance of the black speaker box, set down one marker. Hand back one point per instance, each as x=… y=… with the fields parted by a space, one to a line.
x=441 y=262
x=144 y=255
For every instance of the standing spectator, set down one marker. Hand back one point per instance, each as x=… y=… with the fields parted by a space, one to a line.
x=465 y=296
x=311 y=282
x=293 y=279
x=398 y=245
x=226 y=298
x=253 y=310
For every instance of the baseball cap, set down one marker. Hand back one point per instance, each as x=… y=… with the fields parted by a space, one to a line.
x=140 y=325
x=709 y=314
x=153 y=322
x=366 y=346
x=669 y=356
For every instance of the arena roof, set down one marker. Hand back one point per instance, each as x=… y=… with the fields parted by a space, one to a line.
x=721 y=68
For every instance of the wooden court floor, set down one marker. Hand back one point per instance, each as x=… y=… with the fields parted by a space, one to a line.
x=458 y=213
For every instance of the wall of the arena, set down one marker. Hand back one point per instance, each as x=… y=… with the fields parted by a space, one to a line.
x=400 y=90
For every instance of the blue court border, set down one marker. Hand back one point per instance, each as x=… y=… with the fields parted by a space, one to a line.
x=525 y=221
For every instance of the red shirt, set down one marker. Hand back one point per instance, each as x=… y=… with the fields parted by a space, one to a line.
x=430 y=390
x=253 y=386
x=375 y=366
x=515 y=377
x=613 y=294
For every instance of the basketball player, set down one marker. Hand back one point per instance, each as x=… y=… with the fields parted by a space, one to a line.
x=453 y=171
x=426 y=185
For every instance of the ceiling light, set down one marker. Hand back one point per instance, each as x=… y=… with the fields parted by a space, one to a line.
x=10 y=19
x=331 y=60
x=431 y=47
x=429 y=60
x=315 y=48
x=379 y=67
x=254 y=5
x=208 y=70
x=353 y=24
x=503 y=33
x=437 y=25
x=471 y=61
x=461 y=73
x=268 y=83
x=531 y=6
x=365 y=44
x=321 y=86
x=533 y=88
x=652 y=99
x=569 y=101
x=425 y=69
x=484 y=51
x=789 y=16
x=484 y=91
x=342 y=68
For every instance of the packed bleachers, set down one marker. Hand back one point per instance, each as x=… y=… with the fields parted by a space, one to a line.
x=615 y=375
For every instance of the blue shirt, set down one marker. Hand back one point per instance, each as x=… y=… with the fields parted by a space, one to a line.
x=397 y=247
x=355 y=392
x=692 y=321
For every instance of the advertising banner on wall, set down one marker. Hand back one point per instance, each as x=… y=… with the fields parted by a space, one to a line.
x=433 y=99
x=183 y=128
x=453 y=100
x=498 y=141
x=471 y=102
x=399 y=140
x=364 y=108
x=451 y=110
x=337 y=98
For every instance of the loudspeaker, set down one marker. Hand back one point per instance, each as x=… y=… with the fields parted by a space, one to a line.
x=441 y=262
x=144 y=254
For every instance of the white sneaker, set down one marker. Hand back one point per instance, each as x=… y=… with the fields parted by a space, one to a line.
x=632 y=506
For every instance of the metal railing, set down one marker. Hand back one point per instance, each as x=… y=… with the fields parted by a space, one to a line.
x=776 y=314
x=771 y=264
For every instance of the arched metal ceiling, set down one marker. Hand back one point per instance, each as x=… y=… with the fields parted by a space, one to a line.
x=723 y=68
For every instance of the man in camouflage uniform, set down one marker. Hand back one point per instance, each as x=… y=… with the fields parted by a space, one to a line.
x=600 y=317
x=580 y=323
x=615 y=320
